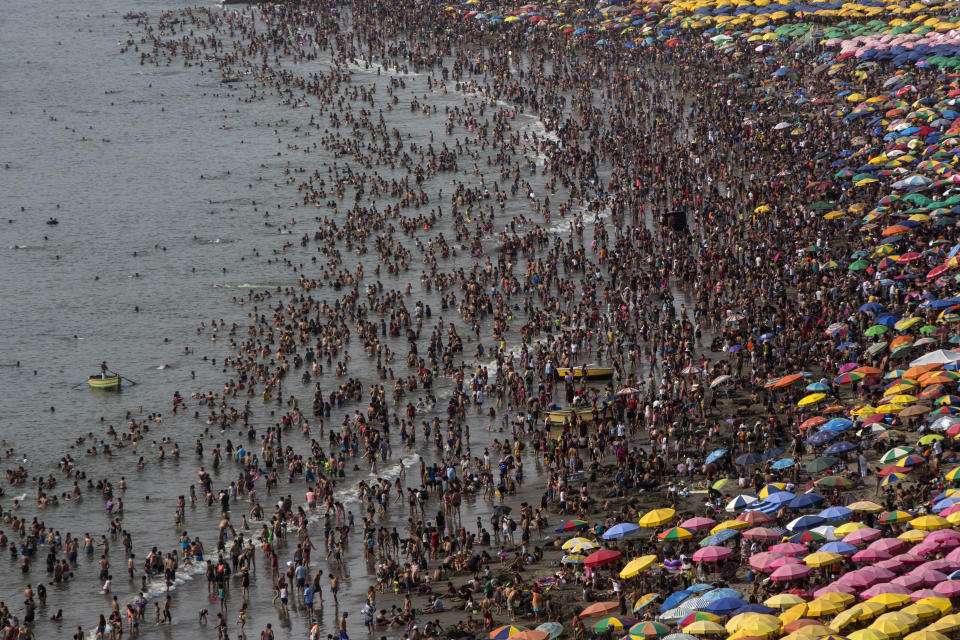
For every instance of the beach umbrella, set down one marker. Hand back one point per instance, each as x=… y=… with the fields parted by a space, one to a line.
x=833 y=482
x=680 y=636
x=822 y=559
x=790 y=572
x=506 y=631
x=576 y=545
x=867 y=634
x=698 y=523
x=789 y=548
x=929 y=523
x=736 y=525
x=712 y=554
x=674 y=599
x=861 y=536
x=894 y=517
x=721 y=607
x=648 y=629
x=821 y=464
x=657 y=518
x=674 y=533
x=843 y=548
x=637 y=566
x=620 y=530
x=783 y=600
x=764 y=561
x=643 y=601
x=949 y=589
x=762 y=533
x=823 y=607
x=740 y=502
x=674 y=615
x=601 y=558
x=553 y=629
x=805 y=523
x=836 y=514
x=611 y=623
x=571 y=525
x=705 y=628
x=865 y=506
x=530 y=634
x=573 y=559
x=805 y=501
x=600 y=609
x=755 y=518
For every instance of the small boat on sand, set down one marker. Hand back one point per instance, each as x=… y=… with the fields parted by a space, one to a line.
x=109 y=382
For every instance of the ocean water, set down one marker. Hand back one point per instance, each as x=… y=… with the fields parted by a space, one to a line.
x=152 y=173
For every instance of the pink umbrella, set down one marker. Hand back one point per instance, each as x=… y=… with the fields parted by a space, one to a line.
x=789 y=548
x=924 y=593
x=871 y=555
x=862 y=536
x=785 y=560
x=835 y=586
x=950 y=588
x=947 y=538
x=880 y=574
x=954 y=555
x=923 y=549
x=850 y=366
x=909 y=558
x=790 y=572
x=712 y=553
x=696 y=524
x=951 y=509
x=857 y=580
x=886 y=587
x=929 y=577
x=943 y=564
x=908 y=581
x=762 y=533
x=892 y=565
x=763 y=562
x=892 y=546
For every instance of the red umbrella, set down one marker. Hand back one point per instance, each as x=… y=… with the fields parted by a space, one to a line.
x=602 y=557
x=712 y=553
x=754 y=518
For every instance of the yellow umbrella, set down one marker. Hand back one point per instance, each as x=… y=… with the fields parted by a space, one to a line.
x=819 y=608
x=870 y=610
x=637 y=566
x=822 y=559
x=924 y=634
x=839 y=597
x=847 y=528
x=844 y=619
x=890 y=600
x=773 y=487
x=810 y=631
x=657 y=518
x=945 y=624
x=894 y=623
x=811 y=399
x=864 y=506
x=704 y=628
x=914 y=536
x=868 y=634
x=942 y=604
x=578 y=544
x=784 y=600
x=922 y=611
x=758 y=624
x=737 y=525
x=929 y=523
x=795 y=612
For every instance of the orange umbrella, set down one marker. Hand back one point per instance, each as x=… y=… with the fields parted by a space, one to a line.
x=786 y=381
x=920 y=369
x=600 y=609
x=800 y=623
x=531 y=634
x=815 y=421
x=869 y=371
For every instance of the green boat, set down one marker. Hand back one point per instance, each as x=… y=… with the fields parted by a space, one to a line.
x=109 y=383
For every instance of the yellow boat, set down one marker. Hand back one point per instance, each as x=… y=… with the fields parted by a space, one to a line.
x=110 y=382
x=593 y=373
x=559 y=416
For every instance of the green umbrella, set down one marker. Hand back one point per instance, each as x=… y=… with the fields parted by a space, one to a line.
x=927 y=330
x=876 y=330
x=859 y=265
x=821 y=464
x=821 y=205
x=876 y=348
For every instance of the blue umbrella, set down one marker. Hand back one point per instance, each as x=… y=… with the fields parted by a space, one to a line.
x=724 y=606
x=740 y=502
x=753 y=608
x=943 y=504
x=772 y=453
x=719 y=537
x=839 y=447
x=620 y=530
x=834 y=514
x=786 y=463
x=721 y=592
x=805 y=523
x=780 y=497
x=700 y=587
x=716 y=455
x=748 y=459
x=806 y=500
x=822 y=437
x=674 y=599
x=818 y=386
x=843 y=548
x=837 y=424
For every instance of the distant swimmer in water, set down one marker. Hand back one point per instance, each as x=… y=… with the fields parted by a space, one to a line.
x=52 y=221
